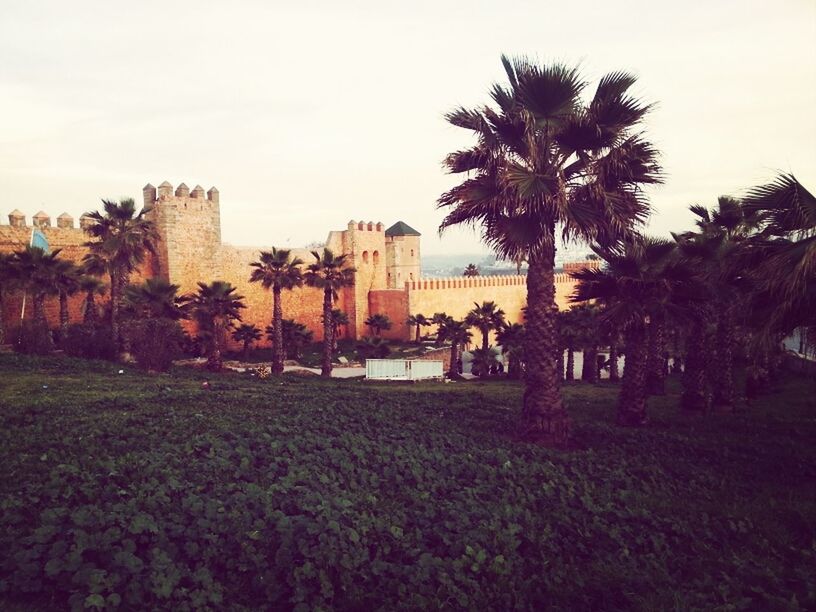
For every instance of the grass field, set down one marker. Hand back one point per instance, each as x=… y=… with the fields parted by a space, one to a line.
x=136 y=491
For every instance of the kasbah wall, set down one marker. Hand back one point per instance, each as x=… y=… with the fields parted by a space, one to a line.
x=388 y=277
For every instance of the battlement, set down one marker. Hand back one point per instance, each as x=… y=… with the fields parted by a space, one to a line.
x=461 y=282
x=42 y=220
x=366 y=226
x=165 y=192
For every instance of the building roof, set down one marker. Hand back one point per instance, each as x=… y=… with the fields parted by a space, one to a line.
x=401 y=229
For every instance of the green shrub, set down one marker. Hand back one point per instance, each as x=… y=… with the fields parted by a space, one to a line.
x=155 y=343
x=89 y=341
x=34 y=339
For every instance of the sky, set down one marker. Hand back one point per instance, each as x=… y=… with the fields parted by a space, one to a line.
x=306 y=115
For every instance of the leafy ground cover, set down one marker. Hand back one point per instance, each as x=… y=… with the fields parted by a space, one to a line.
x=136 y=491
x=313 y=352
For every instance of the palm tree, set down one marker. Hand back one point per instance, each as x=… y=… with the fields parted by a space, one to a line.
x=569 y=333
x=485 y=317
x=92 y=287
x=471 y=270
x=338 y=320
x=278 y=270
x=295 y=337
x=378 y=322
x=37 y=272
x=331 y=273
x=485 y=361
x=511 y=339
x=417 y=321
x=439 y=319
x=586 y=324
x=156 y=299
x=640 y=284
x=67 y=278
x=123 y=238
x=216 y=307
x=372 y=348
x=8 y=278
x=543 y=158
x=246 y=333
x=458 y=334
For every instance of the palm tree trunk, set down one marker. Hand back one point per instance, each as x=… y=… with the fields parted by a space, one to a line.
x=632 y=399
x=485 y=338
x=245 y=356
x=613 y=363
x=90 y=308
x=543 y=418
x=39 y=310
x=277 y=331
x=115 y=302
x=2 y=319
x=695 y=393
x=570 y=375
x=63 y=306
x=453 y=369
x=416 y=339
x=215 y=361
x=655 y=367
x=589 y=368
x=560 y=363
x=724 y=394
x=326 y=365
x=335 y=335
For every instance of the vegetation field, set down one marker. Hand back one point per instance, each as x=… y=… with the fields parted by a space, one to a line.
x=138 y=492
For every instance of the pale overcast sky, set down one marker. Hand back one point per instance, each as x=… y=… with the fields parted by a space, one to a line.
x=307 y=116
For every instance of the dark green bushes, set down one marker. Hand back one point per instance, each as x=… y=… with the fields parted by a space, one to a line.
x=155 y=343
x=90 y=341
x=34 y=339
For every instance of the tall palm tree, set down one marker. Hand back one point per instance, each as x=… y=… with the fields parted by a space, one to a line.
x=545 y=158
x=38 y=272
x=338 y=320
x=278 y=270
x=92 y=287
x=67 y=279
x=471 y=270
x=246 y=334
x=717 y=251
x=511 y=339
x=123 y=239
x=417 y=321
x=331 y=273
x=458 y=334
x=485 y=317
x=439 y=319
x=378 y=322
x=783 y=254
x=216 y=307
x=641 y=283
x=8 y=278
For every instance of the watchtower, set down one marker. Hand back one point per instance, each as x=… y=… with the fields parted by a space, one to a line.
x=402 y=254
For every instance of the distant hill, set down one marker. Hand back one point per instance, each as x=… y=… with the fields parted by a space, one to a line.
x=436 y=266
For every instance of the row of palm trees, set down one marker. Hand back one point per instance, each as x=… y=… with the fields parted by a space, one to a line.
x=547 y=160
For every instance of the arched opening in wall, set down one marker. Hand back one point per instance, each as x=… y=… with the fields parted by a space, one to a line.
x=411 y=276
x=412 y=252
x=365 y=256
x=375 y=257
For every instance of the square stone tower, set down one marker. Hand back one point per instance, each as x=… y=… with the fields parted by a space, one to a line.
x=189 y=227
x=402 y=255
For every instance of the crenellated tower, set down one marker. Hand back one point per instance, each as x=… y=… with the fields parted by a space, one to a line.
x=189 y=227
x=402 y=252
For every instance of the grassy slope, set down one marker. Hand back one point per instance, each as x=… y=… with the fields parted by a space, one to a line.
x=354 y=495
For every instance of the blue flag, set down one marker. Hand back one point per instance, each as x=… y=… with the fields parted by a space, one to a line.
x=39 y=240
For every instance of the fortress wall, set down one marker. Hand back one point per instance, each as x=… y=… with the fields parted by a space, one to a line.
x=394 y=303
x=304 y=304
x=456 y=296
x=364 y=243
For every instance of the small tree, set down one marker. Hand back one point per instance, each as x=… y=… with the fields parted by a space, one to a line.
x=511 y=340
x=471 y=270
x=295 y=337
x=338 y=320
x=458 y=334
x=378 y=323
x=246 y=334
x=417 y=321
x=372 y=348
x=216 y=307
x=485 y=317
